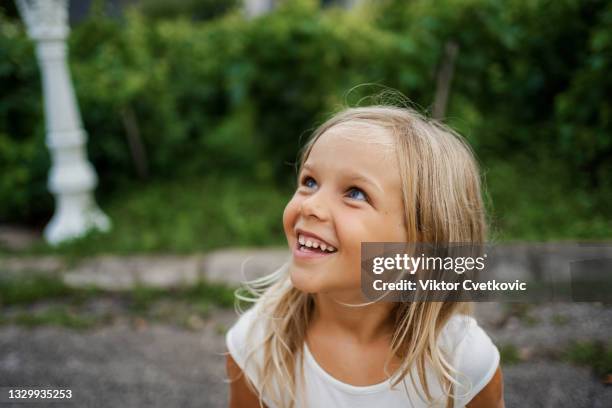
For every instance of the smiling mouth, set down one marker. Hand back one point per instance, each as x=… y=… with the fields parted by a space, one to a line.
x=304 y=250
x=306 y=243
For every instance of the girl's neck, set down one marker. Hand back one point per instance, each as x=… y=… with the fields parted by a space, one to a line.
x=364 y=323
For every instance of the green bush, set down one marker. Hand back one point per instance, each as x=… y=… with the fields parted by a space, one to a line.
x=23 y=157
x=237 y=97
x=584 y=109
x=194 y=9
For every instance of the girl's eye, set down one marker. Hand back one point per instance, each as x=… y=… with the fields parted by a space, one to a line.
x=309 y=182
x=353 y=193
x=357 y=194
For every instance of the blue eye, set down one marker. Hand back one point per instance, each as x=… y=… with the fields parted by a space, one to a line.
x=353 y=193
x=357 y=194
x=309 y=182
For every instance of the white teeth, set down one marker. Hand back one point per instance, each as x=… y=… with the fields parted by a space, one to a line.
x=315 y=244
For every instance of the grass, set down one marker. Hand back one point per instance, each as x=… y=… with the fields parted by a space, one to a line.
x=596 y=355
x=183 y=217
x=202 y=296
x=509 y=354
x=35 y=288
x=57 y=316
x=560 y=320
x=59 y=305
x=533 y=201
x=15 y=292
x=522 y=311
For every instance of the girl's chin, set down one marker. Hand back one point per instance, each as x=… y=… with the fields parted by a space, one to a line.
x=312 y=281
x=304 y=281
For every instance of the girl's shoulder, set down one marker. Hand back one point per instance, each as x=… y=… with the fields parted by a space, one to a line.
x=244 y=341
x=244 y=335
x=473 y=353
x=462 y=328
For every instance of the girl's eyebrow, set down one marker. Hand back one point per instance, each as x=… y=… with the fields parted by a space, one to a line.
x=355 y=177
x=366 y=180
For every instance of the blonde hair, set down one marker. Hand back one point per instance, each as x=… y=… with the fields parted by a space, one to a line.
x=442 y=200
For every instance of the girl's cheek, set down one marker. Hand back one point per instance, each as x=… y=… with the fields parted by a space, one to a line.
x=290 y=215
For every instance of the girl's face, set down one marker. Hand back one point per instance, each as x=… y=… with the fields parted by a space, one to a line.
x=349 y=192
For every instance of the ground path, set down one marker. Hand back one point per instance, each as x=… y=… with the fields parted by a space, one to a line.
x=136 y=362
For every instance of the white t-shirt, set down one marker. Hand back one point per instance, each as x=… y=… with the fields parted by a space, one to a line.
x=473 y=355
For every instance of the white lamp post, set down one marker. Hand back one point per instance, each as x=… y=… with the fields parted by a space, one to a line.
x=72 y=178
x=255 y=8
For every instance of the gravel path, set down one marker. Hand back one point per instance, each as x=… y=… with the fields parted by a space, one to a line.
x=120 y=365
x=142 y=365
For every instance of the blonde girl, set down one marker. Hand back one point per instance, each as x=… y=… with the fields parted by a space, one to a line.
x=372 y=174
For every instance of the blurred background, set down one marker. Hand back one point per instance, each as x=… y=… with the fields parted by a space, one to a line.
x=195 y=111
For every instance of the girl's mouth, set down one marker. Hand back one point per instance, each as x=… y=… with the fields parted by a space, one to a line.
x=304 y=251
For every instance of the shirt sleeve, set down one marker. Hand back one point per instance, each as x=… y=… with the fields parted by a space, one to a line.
x=235 y=338
x=476 y=361
x=242 y=340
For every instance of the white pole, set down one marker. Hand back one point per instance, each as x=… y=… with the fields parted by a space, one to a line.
x=256 y=8
x=72 y=178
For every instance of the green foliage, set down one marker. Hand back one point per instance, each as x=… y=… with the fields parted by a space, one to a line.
x=195 y=216
x=32 y=289
x=56 y=316
x=509 y=354
x=23 y=157
x=228 y=94
x=560 y=320
x=194 y=9
x=529 y=93
x=44 y=300
x=584 y=110
x=200 y=296
x=596 y=355
x=531 y=200
x=233 y=97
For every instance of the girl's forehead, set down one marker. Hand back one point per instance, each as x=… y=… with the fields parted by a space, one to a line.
x=359 y=150
x=360 y=131
x=355 y=145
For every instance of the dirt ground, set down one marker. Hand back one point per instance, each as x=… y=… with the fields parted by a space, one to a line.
x=135 y=363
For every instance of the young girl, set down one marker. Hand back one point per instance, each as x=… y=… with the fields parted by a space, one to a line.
x=375 y=174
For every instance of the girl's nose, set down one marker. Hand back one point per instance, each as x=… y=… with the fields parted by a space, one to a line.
x=315 y=207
